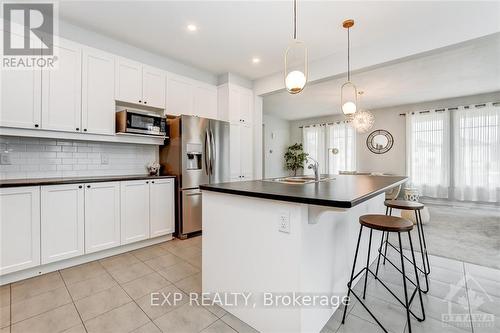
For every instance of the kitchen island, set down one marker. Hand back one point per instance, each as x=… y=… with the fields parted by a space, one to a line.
x=268 y=240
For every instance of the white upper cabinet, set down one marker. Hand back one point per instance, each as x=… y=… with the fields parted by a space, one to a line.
x=140 y=84
x=102 y=216
x=128 y=81
x=20 y=97
x=180 y=95
x=161 y=207
x=19 y=228
x=61 y=89
x=98 y=92
x=205 y=101
x=62 y=222
x=134 y=211
x=153 y=87
x=235 y=104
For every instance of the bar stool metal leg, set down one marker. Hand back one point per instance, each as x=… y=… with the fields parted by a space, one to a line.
x=425 y=244
x=416 y=276
x=387 y=239
x=407 y=306
x=367 y=263
x=425 y=264
x=352 y=274
x=379 y=253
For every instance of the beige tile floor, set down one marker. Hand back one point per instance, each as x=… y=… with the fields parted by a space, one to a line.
x=114 y=295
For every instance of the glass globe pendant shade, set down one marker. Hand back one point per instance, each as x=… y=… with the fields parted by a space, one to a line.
x=349 y=98
x=363 y=121
x=295 y=67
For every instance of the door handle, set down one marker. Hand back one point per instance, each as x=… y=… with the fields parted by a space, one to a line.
x=207 y=145
x=213 y=152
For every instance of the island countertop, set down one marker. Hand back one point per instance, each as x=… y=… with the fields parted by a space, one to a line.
x=344 y=191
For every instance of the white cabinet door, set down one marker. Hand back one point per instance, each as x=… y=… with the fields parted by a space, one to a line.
x=246 y=105
x=134 y=211
x=102 y=216
x=153 y=87
x=246 y=151
x=234 y=104
x=98 y=92
x=19 y=228
x=62 y=89
x=20 y=97
x=180 y=98
x=128 y=81
x=62 y=222
x=234 y=150
x=205 y=101
x=161 y=207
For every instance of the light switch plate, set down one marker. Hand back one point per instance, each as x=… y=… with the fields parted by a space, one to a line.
x=5 y=159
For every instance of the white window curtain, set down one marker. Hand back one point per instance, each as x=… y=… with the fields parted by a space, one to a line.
x=314 y=140
x=476 y=143
x=320 y=141
x=428 y=152
x=342 y=140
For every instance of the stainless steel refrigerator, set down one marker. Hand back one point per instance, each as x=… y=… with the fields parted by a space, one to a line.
x=197 y=153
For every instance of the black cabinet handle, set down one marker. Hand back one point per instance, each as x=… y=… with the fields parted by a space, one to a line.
x=140 y=101
x=85 y=130
x=145 y=102
x=147 y=182
x=88 y=186
x=77 y=128
x=153 y=182
x=36 y=125
x=80 y=186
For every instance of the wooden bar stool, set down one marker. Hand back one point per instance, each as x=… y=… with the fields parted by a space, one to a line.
x=416 y=207
x=386 y=224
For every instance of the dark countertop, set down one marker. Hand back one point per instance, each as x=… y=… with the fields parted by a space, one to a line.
x=73 y=180
x=344 y=191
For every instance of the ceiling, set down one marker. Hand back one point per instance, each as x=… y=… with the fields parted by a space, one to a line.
x=230 y=33
x=465 y=69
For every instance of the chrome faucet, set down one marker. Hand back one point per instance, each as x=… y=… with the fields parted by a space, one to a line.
x=315 y=167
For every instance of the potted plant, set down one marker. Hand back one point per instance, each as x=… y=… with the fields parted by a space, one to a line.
x=295 y=158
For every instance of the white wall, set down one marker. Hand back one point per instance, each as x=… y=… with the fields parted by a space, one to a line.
x=47 y=158
x=276 y=141
x=394 y=161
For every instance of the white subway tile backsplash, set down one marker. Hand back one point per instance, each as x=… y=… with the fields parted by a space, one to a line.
x=46 y=158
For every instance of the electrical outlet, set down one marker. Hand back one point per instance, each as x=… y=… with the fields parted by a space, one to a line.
x=104 y=159
x=284 y=223
x=5 y=159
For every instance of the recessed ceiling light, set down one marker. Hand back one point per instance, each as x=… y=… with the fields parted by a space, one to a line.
x=255 y=60
x=192 y=27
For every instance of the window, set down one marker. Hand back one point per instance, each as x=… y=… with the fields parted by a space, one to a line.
x=476 y=144
x=428 y=152
x=332 y=145
x=470 y=138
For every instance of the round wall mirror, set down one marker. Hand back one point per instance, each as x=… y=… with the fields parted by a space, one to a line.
x=379 y=141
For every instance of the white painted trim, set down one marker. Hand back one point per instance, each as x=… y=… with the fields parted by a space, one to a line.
x=40 y=133
x=43 y=269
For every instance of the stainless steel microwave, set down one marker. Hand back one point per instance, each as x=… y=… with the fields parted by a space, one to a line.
x=138 y=122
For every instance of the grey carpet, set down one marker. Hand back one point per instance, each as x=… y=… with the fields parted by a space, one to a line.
x=462 y=233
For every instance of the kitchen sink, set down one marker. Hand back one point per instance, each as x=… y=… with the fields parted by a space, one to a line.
x=299 y=180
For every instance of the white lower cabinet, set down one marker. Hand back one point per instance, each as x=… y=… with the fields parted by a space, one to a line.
x=19 y=228
x=161 y=207
x=134 y=210
x=102 y=216
x=62 y=222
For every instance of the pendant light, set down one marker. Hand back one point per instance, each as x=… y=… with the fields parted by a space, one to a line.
x=348 y=92
x=295 y=60
x=363 y=119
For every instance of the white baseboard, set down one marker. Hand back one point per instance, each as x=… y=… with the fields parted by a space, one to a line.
x=43 y=269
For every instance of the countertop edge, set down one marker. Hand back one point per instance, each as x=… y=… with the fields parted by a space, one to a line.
x=303 y=200
x=7 y=183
